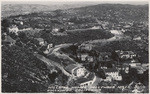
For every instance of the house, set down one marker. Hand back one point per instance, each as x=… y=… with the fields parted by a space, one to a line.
x=108 y=78
x=125 y=55
x=55 y=30
x=90 y=58
x=82 y=56
x=16 y=21
x=86 y=47
x=96 y=27
x=75 y=70
x=86 y=81
x=104 y=56
x=136 y=87
x=48 y=49
x=125 y=67
x=114 y=73
x=13 y=29
x=141 y=68
x=41 y=41
x=70 y=23
x=49 y=46
x=127 y=26
x=8 y=41
x=116 y=32
x=133 y=65
x=137 y=38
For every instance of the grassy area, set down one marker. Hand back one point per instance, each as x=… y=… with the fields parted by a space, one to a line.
x=77 y=36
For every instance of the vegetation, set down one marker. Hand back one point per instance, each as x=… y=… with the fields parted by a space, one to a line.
x=125 y=45
x=77 y=36
x=22 y=72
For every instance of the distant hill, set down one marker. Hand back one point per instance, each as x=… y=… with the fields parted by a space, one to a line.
x=113 y=11
x=16 y=9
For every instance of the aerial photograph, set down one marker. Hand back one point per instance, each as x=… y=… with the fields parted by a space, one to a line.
x=74 y=46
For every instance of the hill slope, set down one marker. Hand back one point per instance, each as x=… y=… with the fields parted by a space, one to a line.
x=16 y=9
x=113 y=12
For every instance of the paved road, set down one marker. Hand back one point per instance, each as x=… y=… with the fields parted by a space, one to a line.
x=116 y=37
x=52 y=63
x=80 y=30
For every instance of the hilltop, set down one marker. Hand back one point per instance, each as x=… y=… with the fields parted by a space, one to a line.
x=20 y=9
x=112 y=12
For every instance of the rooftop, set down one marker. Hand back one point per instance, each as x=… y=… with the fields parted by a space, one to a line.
x=124 y=52
x=88 y=78
x=39 y=39
x=9 y=39
x=13 y=26
x=111 y=70
x=70 y=67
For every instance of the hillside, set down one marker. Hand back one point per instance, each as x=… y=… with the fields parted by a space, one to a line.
x=17 y=9
x=23 y=72
x=36 y=43
x=112 y=12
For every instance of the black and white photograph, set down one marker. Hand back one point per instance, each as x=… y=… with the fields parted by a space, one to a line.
x=74 y=46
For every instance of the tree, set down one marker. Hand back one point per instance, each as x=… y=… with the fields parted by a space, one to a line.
x=62 y=30
x=23 y=72
x=5 y=25
x=23 y=37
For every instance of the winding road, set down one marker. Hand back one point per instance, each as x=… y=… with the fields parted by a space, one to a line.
x=52 y=63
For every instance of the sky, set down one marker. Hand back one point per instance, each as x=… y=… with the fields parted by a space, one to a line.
x=47 y=2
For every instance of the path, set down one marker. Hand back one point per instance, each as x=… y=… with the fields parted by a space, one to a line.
x=52 y=63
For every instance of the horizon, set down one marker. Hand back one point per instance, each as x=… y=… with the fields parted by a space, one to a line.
x=76 y=2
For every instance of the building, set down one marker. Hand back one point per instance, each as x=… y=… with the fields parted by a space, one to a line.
x=76 y=70
x=82 y=56
x=116 y=32
x=48 y=49
x=96 y=27
x=55 y=30
x=86 y=81
x=136 y=87
x=141 y=68
x=114 y=73
x=8 y=41
x=85 y=47
x=13 y=29
x=90 y=58
x=125 y=55
x=137 y=38
x=41 y=41
x=126 y=68
x=108 y=78
x=104 y=56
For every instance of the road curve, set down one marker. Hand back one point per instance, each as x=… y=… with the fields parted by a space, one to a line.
x=52 y=63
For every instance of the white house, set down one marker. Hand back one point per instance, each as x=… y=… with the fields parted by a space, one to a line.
x=48 y=49
x=55 y=30
x=87 y=47
x=40 y=41
x=90 y=58
x=125 y=54
x=75 y=70
x=113 y=72
x=96 y=27
x=86 y=81
x=137 y=38
x=82 y=56
x=13 y=29
x=108 y=78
